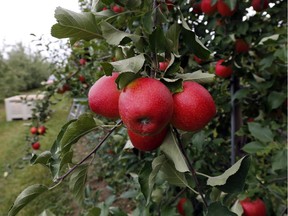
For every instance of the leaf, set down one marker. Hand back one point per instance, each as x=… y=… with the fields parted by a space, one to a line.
x=147 y=22
x=231 y=3
x=158 y=41
x=279 y=160
x=174 y=85
x=264 y=134
x=95 y=211
x=133 y=64
x=47 y=212
x=233 y=179
x=25 y=197
x=275 y=99
x=170 y=148
x=253 y=147
x=237 y=208
x=125 y=78
x=43 y=158
x=241 y=94
x=114 y=36
x=193 y=43
x=217 y=209
x=75 y=25
x=78 y=180
x=197 y=76
x=172 y=36
x=83 y=125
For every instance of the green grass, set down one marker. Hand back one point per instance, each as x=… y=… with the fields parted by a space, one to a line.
x=13 y=148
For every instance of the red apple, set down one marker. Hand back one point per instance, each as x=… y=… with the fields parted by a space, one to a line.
x=63 y=89
x=253 y=207
x=197 y=8
x=41 y=130
x=260 y=5
x=33 y=130
x=36 y=145
x=82 y=78
x=207 y=8
x=224 y=9
x=193 y=108
x=180 y=206
x=117 y=9
x=146 y=106
x=82 y=61
x=222 y=70
x=241 y=46
x=169 y=4
x=163 y=65
x=103 y=97
x=147 y=143
x=197 y=59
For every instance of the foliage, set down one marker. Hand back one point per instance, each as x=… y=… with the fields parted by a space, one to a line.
x=251 y=106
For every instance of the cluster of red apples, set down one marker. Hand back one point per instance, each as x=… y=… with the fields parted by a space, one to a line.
x=147 y=108
x=41 y=130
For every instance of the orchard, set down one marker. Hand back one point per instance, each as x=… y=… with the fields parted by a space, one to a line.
x=186 y=108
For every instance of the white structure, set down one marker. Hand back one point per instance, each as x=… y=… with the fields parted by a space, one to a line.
x=20 y=106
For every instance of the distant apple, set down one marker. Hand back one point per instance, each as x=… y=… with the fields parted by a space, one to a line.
x=169 y=4
x=197 y=8
x=82 y=61
x=260 y=5
x=117 y=9
x=82 y=78
x=36 y=145
x=197 y=59
x=163 y=66
x=42 y=130
x=207 y=8
x=241 y=46
x=224 y=9
x=33 y=130
x=253 y=207
x=223 y=70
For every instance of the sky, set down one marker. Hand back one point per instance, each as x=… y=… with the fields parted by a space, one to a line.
x=18 y=19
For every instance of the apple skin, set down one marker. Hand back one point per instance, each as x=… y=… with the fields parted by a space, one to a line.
x=169 y=4
x=193 y=108
x=82 y=78
x=207 y=8
x=180 y=206
x=36 y=145
x=197 y=8
x=253 y=207
x=41 y=130
x=63 y=89
x=163 y=66
x=224 y=9
x=82 y=61
x=146 y=106
x=260 y=5
x=197 y=59
x=117 y=9
x=147 y=143
x=241 y=46
x=103 y=97
x=33 y=130
x=222 y=70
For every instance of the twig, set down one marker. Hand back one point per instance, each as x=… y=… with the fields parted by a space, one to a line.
x=190 y=167
x=61 y=178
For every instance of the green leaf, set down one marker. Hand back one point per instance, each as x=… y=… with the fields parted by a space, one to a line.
x=75 y=25
x=107 y=67
x=43 y=158
x=233 y=179
x=95 y=211
x=279 y=160
x=114 y=36
x=83 y=125
x=133 y=64
x=147 y=22
x=174 y=85
x=158 y=41
x=231 y=3
x=241 y=94
x=172 y=36
x=47 y=212
x=197 y=76
x=170 y=148
x=78 y=180
x=253 y=147
x=217 y=209
x=264 y=134
x=125 y=78
x=275 y=99
x=192 y=41
x=25 y=197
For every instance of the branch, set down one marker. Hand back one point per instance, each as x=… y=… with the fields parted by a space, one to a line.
x=61 y=178
x=190 y=167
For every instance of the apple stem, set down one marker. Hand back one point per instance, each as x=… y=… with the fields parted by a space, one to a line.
x=61 y=178
x=190 y=167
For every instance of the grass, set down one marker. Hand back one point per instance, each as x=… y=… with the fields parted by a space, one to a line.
x=21 y=174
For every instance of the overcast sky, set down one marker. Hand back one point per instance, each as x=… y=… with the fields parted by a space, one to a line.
x=19 y=18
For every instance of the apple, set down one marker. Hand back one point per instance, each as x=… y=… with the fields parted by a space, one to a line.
x=193 y=108
x=207 y=8
x=41 y=130
x=82 y=78
x=224 y=9
x=146 y=106
x=82 y=61
x=169 y=4
x=241 y=46
x=117 y=9
x=180 y=206
x=103 y=97
x=197 y=8
x=63 y=89
x=250 y=119
x=147 y=143
x=163 y=65
x=197 y=59
x=222 y=70
x=253 y=207
x=260 y=5
x=33 y=130
x=36 y=145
